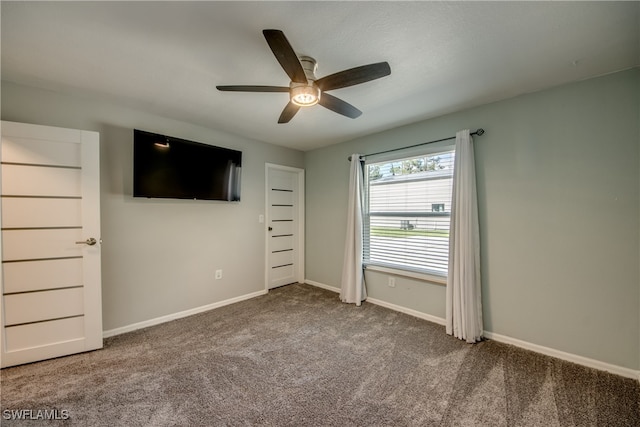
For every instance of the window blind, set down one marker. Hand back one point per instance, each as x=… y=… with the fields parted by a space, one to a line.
x=407 y=213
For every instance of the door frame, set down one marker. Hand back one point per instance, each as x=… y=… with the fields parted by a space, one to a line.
x=300 y=236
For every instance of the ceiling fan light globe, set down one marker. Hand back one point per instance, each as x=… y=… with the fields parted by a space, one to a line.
x=305 y=95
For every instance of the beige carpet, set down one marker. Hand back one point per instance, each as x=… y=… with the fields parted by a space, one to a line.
x=299 y=357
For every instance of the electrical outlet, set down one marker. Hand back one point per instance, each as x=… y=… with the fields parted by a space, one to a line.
x=392 y=282
x=218 y=274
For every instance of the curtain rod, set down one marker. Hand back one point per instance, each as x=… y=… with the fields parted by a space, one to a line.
x=478 y=132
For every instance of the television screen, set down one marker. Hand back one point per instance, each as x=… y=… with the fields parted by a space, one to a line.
x=167 y=167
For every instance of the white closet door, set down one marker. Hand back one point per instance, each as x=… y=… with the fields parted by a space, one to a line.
x=50 y=215
x=285 y=240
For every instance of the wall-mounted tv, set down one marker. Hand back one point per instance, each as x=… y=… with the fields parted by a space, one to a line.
x=174 y=168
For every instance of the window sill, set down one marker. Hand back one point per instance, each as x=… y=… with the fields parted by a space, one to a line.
x=431 y=278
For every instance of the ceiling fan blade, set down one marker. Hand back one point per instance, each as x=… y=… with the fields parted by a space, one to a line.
x=354 y=76
x=253 y=88
x=289 y=111
x=285 y=55
x=339 y=106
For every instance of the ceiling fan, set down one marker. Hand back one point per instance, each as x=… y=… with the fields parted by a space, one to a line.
x=305 y=89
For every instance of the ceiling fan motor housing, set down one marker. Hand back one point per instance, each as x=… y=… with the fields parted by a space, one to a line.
x=310 y=66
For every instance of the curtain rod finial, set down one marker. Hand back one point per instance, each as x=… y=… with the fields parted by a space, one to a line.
x=479 y=132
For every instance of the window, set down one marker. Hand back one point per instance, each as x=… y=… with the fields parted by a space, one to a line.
x=407 y=213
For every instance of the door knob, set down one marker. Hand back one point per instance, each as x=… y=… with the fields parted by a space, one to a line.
x=270 y=228
x=90 y=241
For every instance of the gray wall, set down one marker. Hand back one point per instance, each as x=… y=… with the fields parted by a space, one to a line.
x=559 y=189
x=159 y=256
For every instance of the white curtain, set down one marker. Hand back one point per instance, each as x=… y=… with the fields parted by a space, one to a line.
x=463 y=301
x=353 y=289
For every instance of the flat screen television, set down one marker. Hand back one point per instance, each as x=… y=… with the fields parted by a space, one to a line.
x=174 y=168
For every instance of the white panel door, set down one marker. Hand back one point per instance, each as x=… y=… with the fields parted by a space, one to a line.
x=285 y=225
x=50 y=240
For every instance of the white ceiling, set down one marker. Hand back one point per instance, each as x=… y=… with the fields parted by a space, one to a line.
x=167 y=57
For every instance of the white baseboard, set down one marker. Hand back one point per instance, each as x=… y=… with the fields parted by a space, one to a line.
x=569 y=357
x=409 y=311
x=179 y=315
x=395 y=307
x=322 y=285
